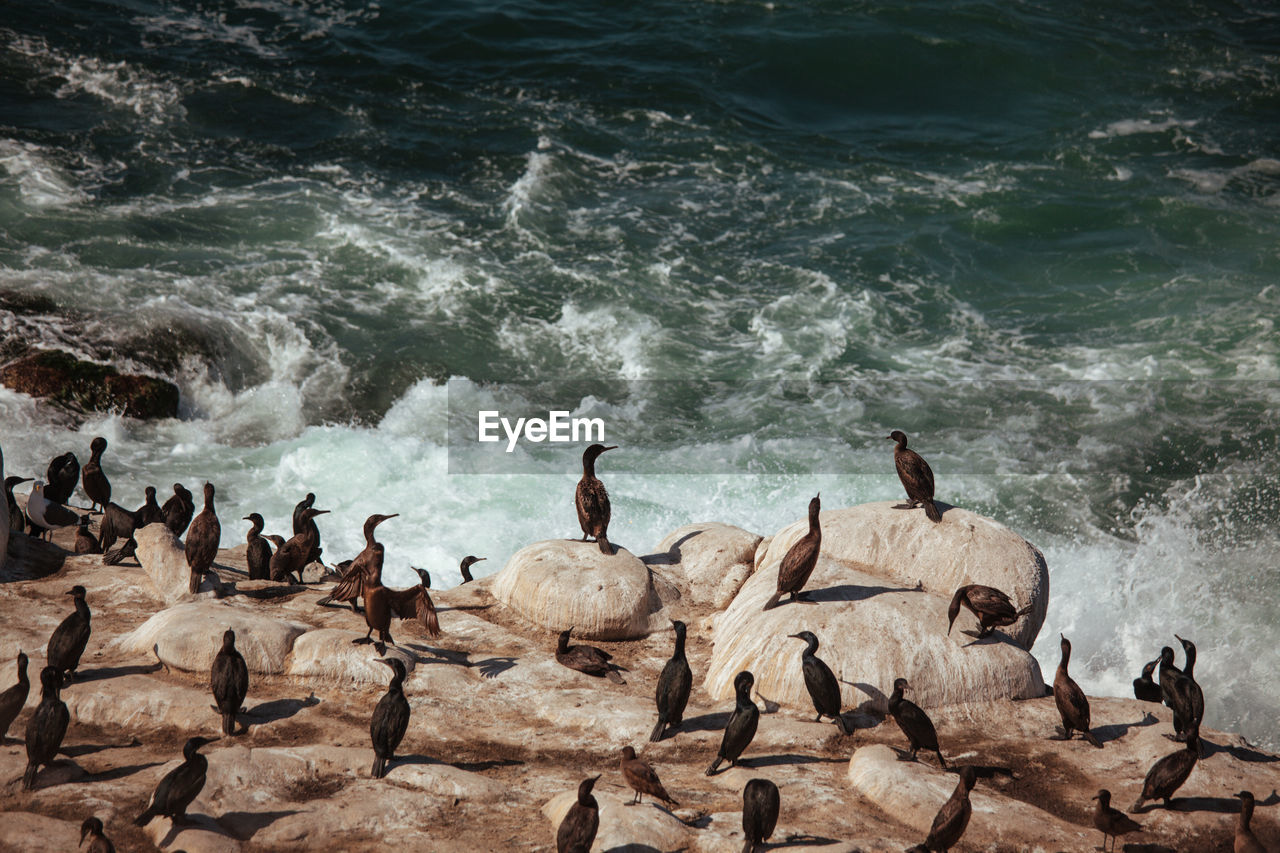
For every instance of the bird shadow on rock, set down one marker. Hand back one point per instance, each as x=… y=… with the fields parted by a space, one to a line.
x=116 y=672
x=244 y=825
x=942 y=507
x=266 y=593
x=481 y=766
x=119 y=772
x=642 y=848
x=1209 y=748
x=671 y=556
x=800 y=841
x=198 y=822
x=279 y=709
x=984 y=771
x=787 y=758
x=1221 y=805
x=493 y=667
x=90 y=748
x=1146 y=848
x=1115 y=731
x=31 y=559
x=867 y=708
x=712 y=722
x=850 y=592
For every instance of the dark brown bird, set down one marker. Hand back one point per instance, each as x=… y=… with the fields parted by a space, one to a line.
x=993 y=608
x=390 y=719
x=1168 y=774
x=99 y=843
x=47 y=726
x=821 y=682
x=292 y=557
x=742 y=723
x=180 y=786
x=1111 y=822
x=229 y=681
x=1245 y=840
x=577 y=831
x=351 y=586
x=1194 y=696
x=798 y=563
x=302 y=523
x=86 y=542
x=674 y=685
x=1144 y=687
x=592 y=500
x=68 y=640
x=381 y=603
x=1175 y=693
x=95 y=483
x=17 y=518
x=62 y=475
x=1073 y=705
x=953 y=817
x=760 y=805
x=178 y=510
x=465 y=567
x=915 y=474
x=914 y=722
x=588 y=659
x=118 y=523
x=642 y=778
x=258 y=552
x=14 y=698
x=202 y=540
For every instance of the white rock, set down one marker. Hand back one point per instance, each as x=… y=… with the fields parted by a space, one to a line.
x=25 y=832
x=905 y=548
x=152 y=704
x=329 y=654
x=714 y=559
x=189 y=636
x=563 y=583
x=623 y=828
x=165 y=561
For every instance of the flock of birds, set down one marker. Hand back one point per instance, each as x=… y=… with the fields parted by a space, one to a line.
x=361 y=579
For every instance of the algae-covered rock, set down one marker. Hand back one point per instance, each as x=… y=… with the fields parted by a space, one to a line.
x=84 y=385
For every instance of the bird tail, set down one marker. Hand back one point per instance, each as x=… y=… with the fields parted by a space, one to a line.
x=1133 y=809
x=379 y=767
x=144 y=818
x=605 y=547
x=711 y=771
x=1089 y=736
x=614 y=676
x=117 y=556
x=656 y=734
x=773 y=602
x=229 y=723
x=931 y=510
x=748 y=846
x=844 y=724
x=29 y=777
x=1024 y=611
x=193 y=584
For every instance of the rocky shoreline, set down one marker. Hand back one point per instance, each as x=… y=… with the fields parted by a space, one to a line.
x=501 y=734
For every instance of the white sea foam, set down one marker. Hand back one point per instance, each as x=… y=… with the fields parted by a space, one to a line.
x=40 y=183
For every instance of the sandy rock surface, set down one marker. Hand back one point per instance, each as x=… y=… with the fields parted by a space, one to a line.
x=709 y=561
x=500 y=735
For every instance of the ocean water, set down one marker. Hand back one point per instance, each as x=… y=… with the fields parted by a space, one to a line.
x=753 y=237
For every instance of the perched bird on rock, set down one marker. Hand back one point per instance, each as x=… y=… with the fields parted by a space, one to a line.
x=62 y=476
x=229 y=681
x=1073 y=705
x=915 y=474
x=202 y=541
x=350 y=587
x=993 y=608
x=587 y=659
x=799 y=561
x=953 y=818
x=44 y=515
x=303 y=523
x=742 y=723
x=760 y=804
x=99 y=843
x=821 y=682
x=577 y=831
x=68 y=640
x=14 y=698
x=1194 y=696
x=257 y=551
x=464 y=568
x=47 y=726
x=293 y=556
x=1111 y=822
x=1168 y=774
x=180 y=786
x=95 y=482
x=178 y=510
x=86 y=542
x=913 y=721
x=390 y=719
x=674 y=685
x=642 y=778
x=1144 y=686
x=592 y=500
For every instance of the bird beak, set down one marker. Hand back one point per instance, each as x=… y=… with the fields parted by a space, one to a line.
x=795 y=636
x=481 y=559
x=247 y=518
x=1179 y=639
x=888 y=438
x=610 y=447
x=322 y=512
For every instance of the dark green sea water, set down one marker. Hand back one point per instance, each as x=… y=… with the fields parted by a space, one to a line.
x=1043 y=239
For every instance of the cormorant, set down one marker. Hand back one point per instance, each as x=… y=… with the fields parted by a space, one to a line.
x=1194 y=695
x=578 y=829
x=350 y=587
x=953 y=818
x=1168 y=774
x=381 y=603
x=44 y=515
x=993 y=608
x=821 y=682
x=1073 y=705
x=1111 y=822
x=585 y=658
x=1144 y=687
x=68 y=640
x=14 y=698
x=180 y=786
x=202 y=540
x=465 y=567
x=303 y=523
x=742 y=723
x=915 y=474
x=258 y=553
x=1175 y=694
x=95 y=483
x=17 y=519
x=1245 y=840
x=641 y=777
x=119 y=523
x=229 y=680
x=592 y=500
x=674 y=685
x=92 y=828
x=62 y=476
x=178 y=510
x=47 y=726
x=760 y=804
x=798 y=563
x=86 y=542
x=914 y=722
x=292 y=557
x=390 y=719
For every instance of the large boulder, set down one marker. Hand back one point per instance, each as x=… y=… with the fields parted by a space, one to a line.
x=622 y=829
x=165 y=560
x=906 y=549
x=563 y=583
x=188 y=636
x=330 y=654
x=878 y=621
x=87 y=386
x=710 y=560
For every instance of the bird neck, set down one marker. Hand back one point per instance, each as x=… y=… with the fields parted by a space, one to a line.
x=895 y=698
x=810 y=646
x=1246 y=813
x=588 y=468
x=679 y=650
x=1189 y=667
x=82 y=607
x=1066 y=659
